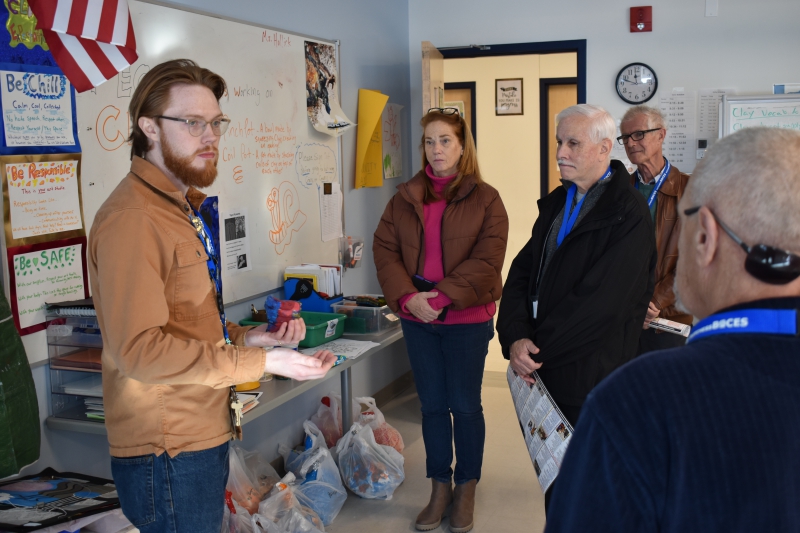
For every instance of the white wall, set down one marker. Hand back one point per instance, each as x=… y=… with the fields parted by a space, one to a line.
x=749 y=46
x=374 y=55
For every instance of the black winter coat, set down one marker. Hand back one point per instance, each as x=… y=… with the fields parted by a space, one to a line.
x=594 y=294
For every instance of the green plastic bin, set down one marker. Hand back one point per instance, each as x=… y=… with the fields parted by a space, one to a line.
x=316 y=327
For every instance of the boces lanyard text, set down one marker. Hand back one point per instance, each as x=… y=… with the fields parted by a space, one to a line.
x=204 y=234
x=661 y=179
x=570 y=216
x=765 y=321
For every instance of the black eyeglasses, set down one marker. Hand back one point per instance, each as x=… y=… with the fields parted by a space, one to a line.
x=766 y=263
x=196 y=126
x=636 y=136
x=445 y=110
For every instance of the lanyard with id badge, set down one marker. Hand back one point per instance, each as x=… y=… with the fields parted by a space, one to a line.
x=204 y=235
x=567 y=223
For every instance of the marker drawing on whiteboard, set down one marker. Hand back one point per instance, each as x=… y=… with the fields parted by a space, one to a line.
x=287 y=218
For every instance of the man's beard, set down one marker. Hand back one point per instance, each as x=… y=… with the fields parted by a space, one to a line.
x=181 y=167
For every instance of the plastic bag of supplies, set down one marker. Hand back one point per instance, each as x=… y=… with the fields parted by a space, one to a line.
x=250 y=479
x=283 y=509
x=320 y=485
x=385 y=433
x=369 y=469
x=329 y=418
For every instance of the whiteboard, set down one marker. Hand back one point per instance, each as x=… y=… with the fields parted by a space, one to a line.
x=773 y=111
x=264 y=168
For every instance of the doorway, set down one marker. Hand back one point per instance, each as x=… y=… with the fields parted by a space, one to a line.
x=555 y=95
x=513 y=150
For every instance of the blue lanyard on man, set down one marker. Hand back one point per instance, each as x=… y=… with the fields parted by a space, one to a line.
x=659 y=182
x=204 y=234
x=571 y=215
x=765 y=321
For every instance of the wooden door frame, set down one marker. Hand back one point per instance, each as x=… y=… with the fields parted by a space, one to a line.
x=544 y=126
x=470 y=85
x=548 y=47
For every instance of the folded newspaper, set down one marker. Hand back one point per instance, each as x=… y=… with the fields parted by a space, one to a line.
x=670 y=326
x=546 y=431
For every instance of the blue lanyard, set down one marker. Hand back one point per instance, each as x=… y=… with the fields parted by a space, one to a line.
x=769 y=321
x=659 y=182
x=571 y=216
x=204 y=235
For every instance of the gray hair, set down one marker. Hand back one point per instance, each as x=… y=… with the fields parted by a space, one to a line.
x=751 y=180
x=655 y=119
x=603 y=125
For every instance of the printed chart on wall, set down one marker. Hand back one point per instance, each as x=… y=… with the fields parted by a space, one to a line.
x=276 y=158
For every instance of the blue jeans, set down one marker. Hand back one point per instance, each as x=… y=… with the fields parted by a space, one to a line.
x=180 y=494
x=448 y=361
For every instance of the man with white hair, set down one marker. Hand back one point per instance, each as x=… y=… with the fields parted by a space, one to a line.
x=704 y=437
x=576 y=295
x=662 y=185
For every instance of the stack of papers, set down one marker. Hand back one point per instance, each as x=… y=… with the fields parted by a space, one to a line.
x=91 y=385
x=326 y=278
x=94 y=408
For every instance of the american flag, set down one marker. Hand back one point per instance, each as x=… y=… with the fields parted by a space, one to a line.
x=91 y=40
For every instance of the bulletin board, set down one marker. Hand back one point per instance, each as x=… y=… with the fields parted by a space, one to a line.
x=272 y=163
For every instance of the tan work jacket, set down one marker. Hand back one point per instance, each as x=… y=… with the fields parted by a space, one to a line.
x=166 y=368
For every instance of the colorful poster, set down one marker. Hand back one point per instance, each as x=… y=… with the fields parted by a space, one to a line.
x=392 y=147
x=37 y=109
x=45 y=273
x=369 y=143
x=322 y=103
x=42 y=197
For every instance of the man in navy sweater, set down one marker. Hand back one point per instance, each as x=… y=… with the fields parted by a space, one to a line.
x=705 y=437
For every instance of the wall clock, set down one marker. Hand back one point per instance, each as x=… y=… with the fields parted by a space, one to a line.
x=636 y=83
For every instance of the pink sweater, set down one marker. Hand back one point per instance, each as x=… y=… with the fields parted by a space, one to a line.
x=434 y=268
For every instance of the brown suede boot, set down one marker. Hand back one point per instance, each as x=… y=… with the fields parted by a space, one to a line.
x=461 y=519
x=431 y=516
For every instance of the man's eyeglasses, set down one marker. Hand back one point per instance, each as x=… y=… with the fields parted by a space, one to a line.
x=635 y=135
x=765 y=263
x=196 y=126
x=445 y=110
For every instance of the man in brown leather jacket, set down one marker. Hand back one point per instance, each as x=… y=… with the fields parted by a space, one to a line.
x=662 y=185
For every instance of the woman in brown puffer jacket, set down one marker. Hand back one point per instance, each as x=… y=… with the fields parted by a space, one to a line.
x=439 y=251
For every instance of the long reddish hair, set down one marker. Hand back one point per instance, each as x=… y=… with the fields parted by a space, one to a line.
x=467 y=165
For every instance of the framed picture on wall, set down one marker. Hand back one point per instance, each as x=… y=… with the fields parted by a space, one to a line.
x=508 y=96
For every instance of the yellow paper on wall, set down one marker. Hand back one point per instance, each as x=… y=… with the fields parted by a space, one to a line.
x=369 y=142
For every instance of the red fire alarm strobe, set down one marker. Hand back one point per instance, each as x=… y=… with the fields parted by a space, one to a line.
x=641 y=19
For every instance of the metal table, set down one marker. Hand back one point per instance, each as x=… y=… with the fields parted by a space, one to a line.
x=275 y=392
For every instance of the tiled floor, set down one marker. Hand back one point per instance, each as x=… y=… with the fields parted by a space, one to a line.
x=508 y=497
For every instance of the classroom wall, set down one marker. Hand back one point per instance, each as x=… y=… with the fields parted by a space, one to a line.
x=374 y=55
x=747 y=47
x=508 y=145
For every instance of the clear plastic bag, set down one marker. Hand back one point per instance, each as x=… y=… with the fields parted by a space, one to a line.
x=236 y=519
x=250 y=479
x=320 y=485
x=384 y=432
x=329 y=418
x=283 y=509
x=369 y=469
